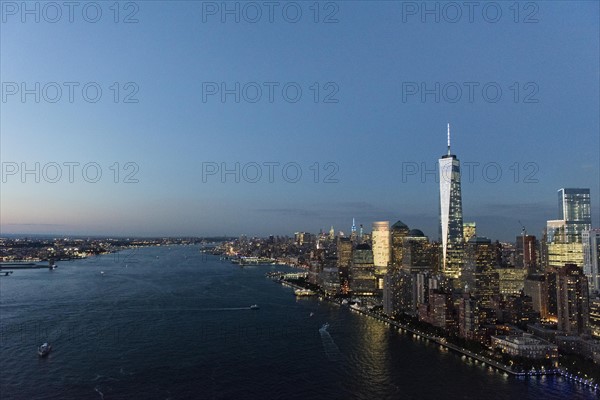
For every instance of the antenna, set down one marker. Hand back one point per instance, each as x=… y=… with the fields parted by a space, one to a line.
x=448 y=138
x=524 y=233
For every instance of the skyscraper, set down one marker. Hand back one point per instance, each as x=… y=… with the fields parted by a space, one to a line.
x=469 y=230
x=451 y=219
x=564 y=235
x=572 y=300
x=591 y=257
x=399 y=231
x=381 y=249
x=574 y=209
x=353 y=230
x=526 y=253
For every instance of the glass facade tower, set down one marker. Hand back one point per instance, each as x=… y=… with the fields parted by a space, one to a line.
x=451 y=219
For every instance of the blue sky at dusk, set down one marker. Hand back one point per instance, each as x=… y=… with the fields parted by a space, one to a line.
x=355 y=122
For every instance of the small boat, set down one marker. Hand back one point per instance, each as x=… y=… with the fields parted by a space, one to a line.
x=254 y=307
x=102 y=273
x=52 y=266
x=324 y=327
x=311 y=314
x=44 y=349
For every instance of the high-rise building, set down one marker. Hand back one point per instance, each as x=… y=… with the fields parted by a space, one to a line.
x=479 y=273
x=353 y=233
x=381 y=249
x=362 y=279
x=451 y=219
x=399 y=231
x=303 y=238
x=591 y=257
x=537 y=288
x=344 y=261
x=574 y=209
x=572 y=300
x=526 y=253
x=415 y=257
x=512 y=280
x=390 y=293
x=595 y=317
x=469 y=230
x=564 y=236
x=468 y=316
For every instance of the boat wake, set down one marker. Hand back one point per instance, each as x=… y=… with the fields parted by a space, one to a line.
x=99 y=392
x=332 y=351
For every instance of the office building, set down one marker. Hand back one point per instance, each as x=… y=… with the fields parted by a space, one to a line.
x=572 y=300
x=451 y=219
x=591 y=258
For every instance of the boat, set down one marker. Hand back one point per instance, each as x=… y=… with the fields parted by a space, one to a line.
x=324 y=327
x=52 y=266
x=344 y=302
x=44 y=349
x=304 y=292
x=254 y=307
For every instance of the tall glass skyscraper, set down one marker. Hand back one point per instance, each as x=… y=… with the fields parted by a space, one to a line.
x=574 y=209
x=451 y=219
x=565 y=244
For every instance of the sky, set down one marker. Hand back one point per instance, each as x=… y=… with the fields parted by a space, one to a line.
x=158 y=118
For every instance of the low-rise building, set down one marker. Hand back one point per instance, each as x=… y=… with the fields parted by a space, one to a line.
x=525 y=345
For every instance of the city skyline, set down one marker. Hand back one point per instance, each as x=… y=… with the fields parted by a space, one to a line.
x=351 y=194
x=371 y=147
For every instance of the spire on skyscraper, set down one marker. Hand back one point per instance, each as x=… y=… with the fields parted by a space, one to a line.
x=451 y=227
x=448 y=138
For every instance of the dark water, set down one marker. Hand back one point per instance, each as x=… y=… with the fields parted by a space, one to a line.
x=179 y=326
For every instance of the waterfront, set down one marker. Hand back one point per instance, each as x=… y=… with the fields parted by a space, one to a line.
x=169 y=322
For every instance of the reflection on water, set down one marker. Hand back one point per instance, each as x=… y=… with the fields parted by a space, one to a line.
x=179 y=326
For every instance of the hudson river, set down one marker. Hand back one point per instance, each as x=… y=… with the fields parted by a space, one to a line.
x=172 y=323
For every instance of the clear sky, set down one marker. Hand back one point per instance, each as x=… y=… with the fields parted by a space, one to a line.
x=367 y=114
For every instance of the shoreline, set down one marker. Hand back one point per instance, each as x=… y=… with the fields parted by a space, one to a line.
x=495 y=365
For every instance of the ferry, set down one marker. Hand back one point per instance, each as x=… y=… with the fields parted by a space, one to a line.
x=304 y=292
x=44 y=350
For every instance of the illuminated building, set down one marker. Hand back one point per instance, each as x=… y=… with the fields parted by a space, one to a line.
x=451 y=220
x=381 y=249
x=525 y=345
x=564 y=235
x=362 y=279
x=415 y=255
x=511 y=280
x=344 y=261
x=572 y=300
x=591 y=258
x=595 y=317
x=398 y=232
x=526 y=253
x=469 y=230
